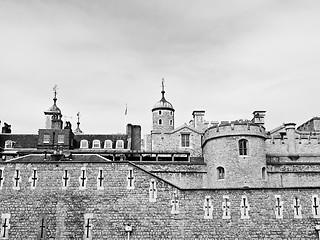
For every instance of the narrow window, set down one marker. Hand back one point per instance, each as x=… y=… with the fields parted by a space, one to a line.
x=16 y=180
x=153 y=191
x=8 y=144
x=171 y=122
x=226 y=207
x=244 y=208
x=279 y=207
x=220 y=171
x=87 y=226
x=160 y=121
x=175 y=204
x=5 y=225
x=185 y=140
x=100 y=179
x=46 y=138
x=207 y=208
x=119 y=144
x=160 y=113
x=315 y=206
x=65 y=179
x=1 y=177
x=83 y=179
x=263 y=173
x=96 y=144
x=84 y=143
x=171 y=113
x=296 y=208
x=243 y=147
x=130 y=179
x=33 y=179
x=60 y=138
x=42 y=227
x=108 y=144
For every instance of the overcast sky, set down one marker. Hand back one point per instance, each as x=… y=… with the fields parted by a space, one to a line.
x=228 y=58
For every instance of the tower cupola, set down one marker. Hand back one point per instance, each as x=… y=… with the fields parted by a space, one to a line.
x=53 y=114
x=163 y=114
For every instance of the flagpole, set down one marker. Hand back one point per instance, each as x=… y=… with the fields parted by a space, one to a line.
x=125 y=117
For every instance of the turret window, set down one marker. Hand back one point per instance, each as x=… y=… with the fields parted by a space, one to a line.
x=243 y=147
x=263 y=173
x=185 y=140
x=160 y=112
x=220 y=171
x=160 y=121
x=171 y=122
x=171 y=113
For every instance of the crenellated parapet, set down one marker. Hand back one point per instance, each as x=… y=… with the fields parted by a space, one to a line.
x=234 y=128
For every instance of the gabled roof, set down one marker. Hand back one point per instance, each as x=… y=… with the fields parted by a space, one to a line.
x=185 y=126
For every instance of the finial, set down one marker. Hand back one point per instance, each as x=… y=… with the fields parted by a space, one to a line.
x=162 y=92
x=78 y=115
x=55 y=87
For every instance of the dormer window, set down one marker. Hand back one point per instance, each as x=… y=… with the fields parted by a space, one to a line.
x=8 y=144
x=84 y=143
x=119 y=144
x=96 y=144
x=108 y=144
x=46 y=138
x=60 y=138
x=243 y=147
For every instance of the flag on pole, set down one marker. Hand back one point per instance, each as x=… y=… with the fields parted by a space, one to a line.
x=126 y=111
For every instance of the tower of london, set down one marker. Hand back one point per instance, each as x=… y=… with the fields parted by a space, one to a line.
x=202 y=180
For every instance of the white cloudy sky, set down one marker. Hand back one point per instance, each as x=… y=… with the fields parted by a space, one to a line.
x=228 y=58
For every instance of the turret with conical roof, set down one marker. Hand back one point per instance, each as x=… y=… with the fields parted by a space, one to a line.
x=53 y=114
x=163 y=114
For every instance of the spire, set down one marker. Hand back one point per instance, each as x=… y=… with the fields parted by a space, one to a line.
x=78 y=130
x=55 y=94
x=163 y=92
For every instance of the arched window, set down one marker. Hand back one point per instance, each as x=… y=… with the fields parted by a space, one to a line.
x=8 y=144
x=263 y=173
x=243 y=147
x=96 y=144
x=84 y=143
x=108 y=144
x=119 y=144
x=220 y=172
x=171 y=122
x=160 y=121
x=160 y=112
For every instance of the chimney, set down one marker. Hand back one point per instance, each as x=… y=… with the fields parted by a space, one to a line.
x=258 y=117
x=290 y=132
x=198 y=119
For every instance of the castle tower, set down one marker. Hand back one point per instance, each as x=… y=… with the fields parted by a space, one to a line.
x=53 y=114
x=235 y=154
x=163 y=114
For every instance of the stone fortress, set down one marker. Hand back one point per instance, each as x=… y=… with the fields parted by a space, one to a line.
x=202 y=180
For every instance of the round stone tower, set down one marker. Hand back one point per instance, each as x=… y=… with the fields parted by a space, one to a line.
x=163 y=114
x=235 y=155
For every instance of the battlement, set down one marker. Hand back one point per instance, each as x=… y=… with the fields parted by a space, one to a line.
x=234 y=128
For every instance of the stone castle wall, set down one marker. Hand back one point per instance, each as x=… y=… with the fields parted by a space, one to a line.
x=173 y=214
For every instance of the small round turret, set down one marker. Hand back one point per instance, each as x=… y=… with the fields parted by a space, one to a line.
x=53 y=114
x=235 y=154
x=163 y=114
